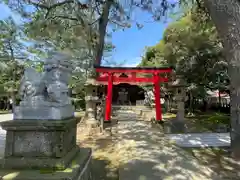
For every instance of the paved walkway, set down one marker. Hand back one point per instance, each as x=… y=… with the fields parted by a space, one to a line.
x=150 y=156
x=200 y=139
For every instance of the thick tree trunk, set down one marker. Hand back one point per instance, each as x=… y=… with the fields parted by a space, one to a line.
x=226 y=16
x=103 y=21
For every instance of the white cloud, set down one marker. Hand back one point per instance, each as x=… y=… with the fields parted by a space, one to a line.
x=133 y=63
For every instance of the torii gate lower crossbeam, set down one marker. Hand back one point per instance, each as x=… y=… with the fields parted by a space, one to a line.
x=107 y=75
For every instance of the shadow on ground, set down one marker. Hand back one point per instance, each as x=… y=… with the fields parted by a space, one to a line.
x=219 y=160
x=151 y=156
x=138 y=150
x=104 y=162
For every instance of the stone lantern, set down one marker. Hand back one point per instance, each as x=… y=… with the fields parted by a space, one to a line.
x=91 y=99
x=180 y=93
x=177 y=125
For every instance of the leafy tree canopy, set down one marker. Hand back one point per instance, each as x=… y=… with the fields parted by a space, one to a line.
x=193 y=47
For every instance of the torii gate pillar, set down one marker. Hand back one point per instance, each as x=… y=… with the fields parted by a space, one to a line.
x=157 y=93
x=109 y=98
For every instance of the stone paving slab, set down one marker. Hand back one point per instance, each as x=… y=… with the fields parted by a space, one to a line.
x=200 y=139
x=150 y=156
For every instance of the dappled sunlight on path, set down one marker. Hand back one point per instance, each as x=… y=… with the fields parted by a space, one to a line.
x=141 y=152
x=152 y=157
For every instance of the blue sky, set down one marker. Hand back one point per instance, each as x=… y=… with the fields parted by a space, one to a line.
x=5 y=12
x=130 y=43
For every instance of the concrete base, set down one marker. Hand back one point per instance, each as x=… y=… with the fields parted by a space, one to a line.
x=174 y=126
x=78 y=169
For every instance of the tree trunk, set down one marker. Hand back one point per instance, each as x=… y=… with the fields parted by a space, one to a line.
x=205 y=105
x=13 y=97
x=190 y=103
x=168 y=104
x=226 y=16
x=103 y=21
x=219 y=101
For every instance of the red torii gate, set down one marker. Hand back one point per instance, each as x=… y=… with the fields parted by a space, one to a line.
x=112 y=75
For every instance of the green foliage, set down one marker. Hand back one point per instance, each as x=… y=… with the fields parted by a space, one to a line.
x=192 y=46
x=78 y=25
x=219 y=118
x=79 y=103
x=11 y=55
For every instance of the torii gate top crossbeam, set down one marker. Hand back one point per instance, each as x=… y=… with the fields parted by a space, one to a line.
x=131 y=74
x=105 y=69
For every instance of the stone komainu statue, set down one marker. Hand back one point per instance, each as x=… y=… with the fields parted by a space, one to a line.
x=31 y=84
x=46 y=92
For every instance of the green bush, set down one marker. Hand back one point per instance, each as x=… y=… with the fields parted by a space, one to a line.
x=211 y=120
x=219 y=119
x=79 y=104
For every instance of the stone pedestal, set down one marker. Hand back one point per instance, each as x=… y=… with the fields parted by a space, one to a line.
x=174 y=126
x=43 y=150
x=43 y=112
